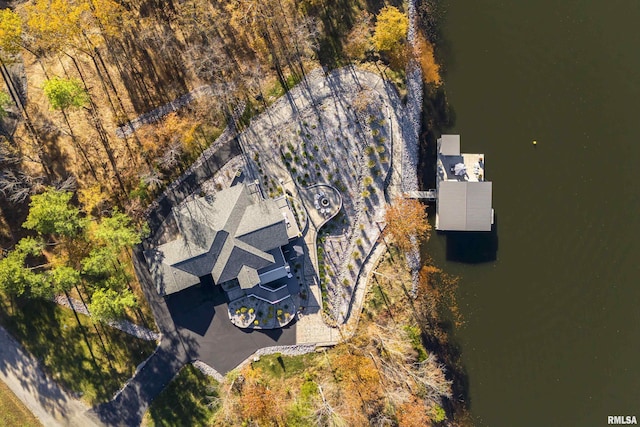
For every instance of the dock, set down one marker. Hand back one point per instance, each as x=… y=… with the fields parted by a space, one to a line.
x=430 y=195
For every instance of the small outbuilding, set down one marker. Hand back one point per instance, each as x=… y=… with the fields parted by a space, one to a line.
x=464 y=197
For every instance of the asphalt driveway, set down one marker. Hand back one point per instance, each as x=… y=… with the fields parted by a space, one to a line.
x=200 y=317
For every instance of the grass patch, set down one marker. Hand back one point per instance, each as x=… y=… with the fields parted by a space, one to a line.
x=13 y=413
x=276 y=91
x=283 y=367
x=190 y=399
x=52 y=335
x=375 y=298
x=414 y=333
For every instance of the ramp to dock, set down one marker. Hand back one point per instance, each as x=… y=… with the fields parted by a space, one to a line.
x=430 y=195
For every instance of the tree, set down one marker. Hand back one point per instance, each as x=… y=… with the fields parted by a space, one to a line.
x=358 y=42
x=109 y=304
x=65 y=93
x=100 y=262
x=15 y=276
x=426 y=58
x=413 y=414
x=407 y=220
x=111 y=16
x=10 y=32
x=91 y=198
x=64 y=278
x=51 y=213
x=390 y=34
x=260 y=404
x=360 y=380
x=391 y=29
x=5 y=101
x=55 y=23
x=117 y=232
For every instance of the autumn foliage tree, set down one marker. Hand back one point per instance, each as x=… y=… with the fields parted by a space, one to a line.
x=407 y=220
x=390 y=35
x=10 y=32
x=425 y=55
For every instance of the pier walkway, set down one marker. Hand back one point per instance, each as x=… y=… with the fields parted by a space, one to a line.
x=430 y=195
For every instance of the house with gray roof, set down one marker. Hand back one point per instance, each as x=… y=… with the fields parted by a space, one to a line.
x=235 y=235
x=464 y=197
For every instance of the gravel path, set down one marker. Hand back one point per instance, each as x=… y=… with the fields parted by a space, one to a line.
x=158 y=113
x=123 y=325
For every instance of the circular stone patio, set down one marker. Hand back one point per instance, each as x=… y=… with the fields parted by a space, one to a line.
x=322 y=201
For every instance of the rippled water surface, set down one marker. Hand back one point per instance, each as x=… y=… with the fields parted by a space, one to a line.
x=553 y=324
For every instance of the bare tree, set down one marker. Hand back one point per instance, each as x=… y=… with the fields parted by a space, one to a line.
x=152 y=179
x=171 y=157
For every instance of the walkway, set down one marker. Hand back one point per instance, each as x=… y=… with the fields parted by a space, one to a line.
x=44 y=397
x=123 y=325
x=154 y=115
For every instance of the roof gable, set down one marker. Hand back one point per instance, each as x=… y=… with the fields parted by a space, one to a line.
x=220 y=235
x=449 y=145
x=240 y=255
x=464 y=206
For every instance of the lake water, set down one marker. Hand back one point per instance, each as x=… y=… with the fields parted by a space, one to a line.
x=552 y=334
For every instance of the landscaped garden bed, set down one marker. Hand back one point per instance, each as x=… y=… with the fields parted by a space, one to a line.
x=253 y=313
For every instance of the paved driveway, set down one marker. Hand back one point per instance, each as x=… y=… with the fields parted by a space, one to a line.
x=200 y=316
x=194 y=325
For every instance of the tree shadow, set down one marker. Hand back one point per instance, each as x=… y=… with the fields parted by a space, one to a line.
x=49 y=136
x=181 y=403
x=151 y=79
x=53 y=336
x=450 y=353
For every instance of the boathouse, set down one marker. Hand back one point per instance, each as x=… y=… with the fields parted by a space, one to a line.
x=464 y=197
